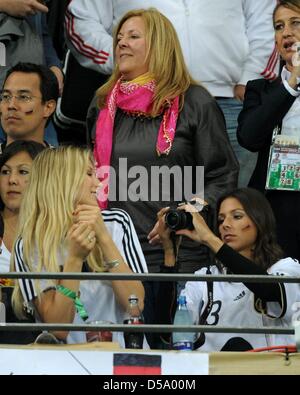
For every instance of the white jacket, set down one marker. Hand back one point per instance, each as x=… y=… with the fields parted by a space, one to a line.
x=225 y=42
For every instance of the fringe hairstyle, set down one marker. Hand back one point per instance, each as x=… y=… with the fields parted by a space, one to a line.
x=32 y=148
x=164 y=56
x=46 y=212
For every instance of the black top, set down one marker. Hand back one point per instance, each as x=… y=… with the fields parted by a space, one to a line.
x=264 y=108
x=200 y=140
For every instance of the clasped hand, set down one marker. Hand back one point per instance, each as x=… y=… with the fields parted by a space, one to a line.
x=87 y=229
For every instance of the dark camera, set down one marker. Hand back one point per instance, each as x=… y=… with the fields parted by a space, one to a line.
x=179 y=219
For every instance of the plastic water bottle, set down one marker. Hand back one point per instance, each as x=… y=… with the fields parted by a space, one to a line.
x=134 y=317
x=183 y=340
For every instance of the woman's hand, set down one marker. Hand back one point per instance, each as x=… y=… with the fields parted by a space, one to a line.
x=201 y=233
x=91 y=215
x=239 y=92
x=153 y=235
x=162 y=231
x=81 y=240
x=164 y=234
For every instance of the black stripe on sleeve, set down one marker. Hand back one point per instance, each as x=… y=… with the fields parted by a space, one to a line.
x=131 y=254
x=129 y=248
x=26 y=285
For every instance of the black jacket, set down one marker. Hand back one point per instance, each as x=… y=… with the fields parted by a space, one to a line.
x=266 y=103
x=200 y=140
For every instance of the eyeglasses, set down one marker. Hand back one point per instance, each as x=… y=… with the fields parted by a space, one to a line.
x=21 y=98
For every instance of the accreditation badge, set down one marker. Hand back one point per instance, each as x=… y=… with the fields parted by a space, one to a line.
x=284 y=163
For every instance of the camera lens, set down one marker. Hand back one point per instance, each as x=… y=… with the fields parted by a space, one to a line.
x=178 y=219
x=172 y=219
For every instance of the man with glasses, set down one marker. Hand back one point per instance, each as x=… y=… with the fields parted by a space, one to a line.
x=24 y=32
x=27 y=101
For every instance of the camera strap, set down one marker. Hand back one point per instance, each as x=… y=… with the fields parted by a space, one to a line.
x=175 y=243
x=203 y=318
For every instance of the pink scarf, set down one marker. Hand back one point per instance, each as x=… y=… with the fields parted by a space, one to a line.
x=133 y=99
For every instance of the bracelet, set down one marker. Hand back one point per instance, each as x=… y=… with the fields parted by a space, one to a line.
x=77 y=302
x=111 y=264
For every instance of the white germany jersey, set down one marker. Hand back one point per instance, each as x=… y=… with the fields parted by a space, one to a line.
x=97 y=296
x=234 y=306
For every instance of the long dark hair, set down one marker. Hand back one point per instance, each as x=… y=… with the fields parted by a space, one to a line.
x=31 y=147
x=266 y=251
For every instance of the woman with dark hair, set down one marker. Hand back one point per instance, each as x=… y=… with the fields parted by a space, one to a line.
x=15 y=164
x=245 y=244
x=270 y=109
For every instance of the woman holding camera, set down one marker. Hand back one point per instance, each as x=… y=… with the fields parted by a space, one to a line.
x=245 y=244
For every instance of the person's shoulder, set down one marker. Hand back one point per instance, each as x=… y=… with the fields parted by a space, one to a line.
x=198 y=95
x=286 y=266
x=196 y=90
x=214 y=271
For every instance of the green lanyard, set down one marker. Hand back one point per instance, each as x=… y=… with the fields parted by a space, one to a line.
x=77 y=302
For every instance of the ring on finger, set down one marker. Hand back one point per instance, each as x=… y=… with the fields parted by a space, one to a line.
x=90 y=239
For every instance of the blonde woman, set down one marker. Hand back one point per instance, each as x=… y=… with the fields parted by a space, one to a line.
x=62 y=230
x=155 y=116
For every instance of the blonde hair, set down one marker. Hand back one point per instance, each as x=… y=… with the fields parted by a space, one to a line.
x=46 y=211
x=164 y=56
